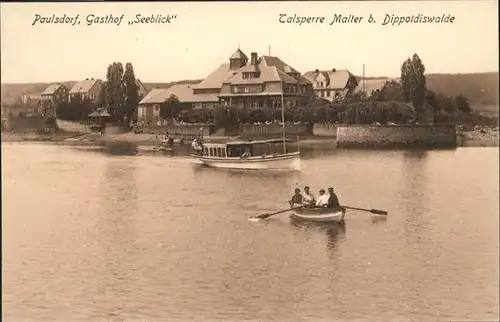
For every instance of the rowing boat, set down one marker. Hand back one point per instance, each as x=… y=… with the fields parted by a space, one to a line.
x=318 y=214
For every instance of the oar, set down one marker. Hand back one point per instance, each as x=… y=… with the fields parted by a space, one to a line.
x=373 y=211
x=267 y=215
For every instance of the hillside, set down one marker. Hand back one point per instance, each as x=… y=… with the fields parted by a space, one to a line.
x=479 y=88
x=15 y=90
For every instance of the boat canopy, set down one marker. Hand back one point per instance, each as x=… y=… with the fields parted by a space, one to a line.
x=237 y=149
x=271 y=141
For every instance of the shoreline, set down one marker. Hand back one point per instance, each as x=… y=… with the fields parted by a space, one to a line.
x=477 y=137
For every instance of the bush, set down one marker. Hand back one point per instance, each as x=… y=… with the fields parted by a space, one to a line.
x=75 y=111
x=462 y=104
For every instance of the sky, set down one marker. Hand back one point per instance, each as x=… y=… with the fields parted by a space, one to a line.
x=204 y=35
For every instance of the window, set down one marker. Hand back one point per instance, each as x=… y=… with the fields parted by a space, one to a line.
x=328 y=93
x=322 y=93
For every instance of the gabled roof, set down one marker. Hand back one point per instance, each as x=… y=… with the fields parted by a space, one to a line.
x=215 y=78
x=150 y=97
x=336 y=79
x=370 y=85
x=141 y=85
x=184 y=93
x=83 y=86
x=51 y=89
x=272 y=69
x=238 y=54
x=100 y=113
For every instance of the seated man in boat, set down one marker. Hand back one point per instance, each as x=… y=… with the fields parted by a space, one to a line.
x=307 y=197
x=196 y=146
x=296 y=198
x=322 y=199
x=333 y=200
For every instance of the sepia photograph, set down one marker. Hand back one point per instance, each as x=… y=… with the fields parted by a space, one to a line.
x=250 y=161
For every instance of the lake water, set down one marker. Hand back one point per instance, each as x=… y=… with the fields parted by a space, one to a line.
x=88 y=235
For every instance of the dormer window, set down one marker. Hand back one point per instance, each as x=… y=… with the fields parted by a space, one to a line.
x=249 y=75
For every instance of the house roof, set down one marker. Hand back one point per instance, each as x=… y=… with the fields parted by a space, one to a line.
x=370 y=85
x=83 y=86
x=184 y=93
x=100 y=113
x=272 y=69
x=335 y=79
x=238 y=54
x=215 y=78
x=51 y=89
x=141 y=85
x=150 y=97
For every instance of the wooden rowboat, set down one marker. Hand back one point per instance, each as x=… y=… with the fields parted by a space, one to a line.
x=318 y=214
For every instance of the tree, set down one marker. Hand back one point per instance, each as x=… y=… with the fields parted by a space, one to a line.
x=131 y=92
x=462 y=104
x=414 y=84
x=391 y=91
x=406 y=82
x=102 y=95
x=170 y=108
x=432 y=100
x=115 y=91
x=358 y=96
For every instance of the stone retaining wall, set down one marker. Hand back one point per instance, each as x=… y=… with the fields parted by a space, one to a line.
x=408 y=135
x=290 y=128
x=69 y=126
x=28 y=124
x=325 y=129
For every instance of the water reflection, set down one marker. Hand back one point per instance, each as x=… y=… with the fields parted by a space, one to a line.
x=334 y=231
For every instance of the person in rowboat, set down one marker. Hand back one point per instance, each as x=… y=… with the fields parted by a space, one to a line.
x=296 y=198
x=333 y=200
x=307 y=197
x=322 y=199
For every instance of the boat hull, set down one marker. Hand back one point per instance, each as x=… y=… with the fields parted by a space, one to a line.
x=318 y=214
x=290 y=161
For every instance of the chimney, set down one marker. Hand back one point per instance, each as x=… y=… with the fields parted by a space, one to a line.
x=316 y=70
x=334 y=70
x=254 y=59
